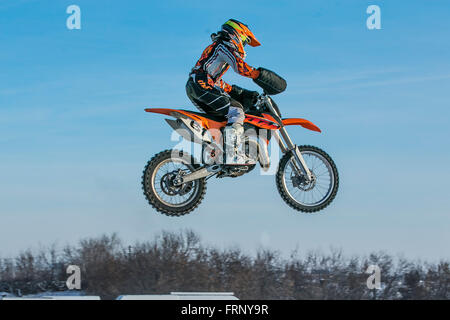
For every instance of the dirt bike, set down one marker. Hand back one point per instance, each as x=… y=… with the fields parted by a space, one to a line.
x=174 y=182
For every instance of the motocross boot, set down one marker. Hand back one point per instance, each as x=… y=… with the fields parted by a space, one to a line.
x=234 y=138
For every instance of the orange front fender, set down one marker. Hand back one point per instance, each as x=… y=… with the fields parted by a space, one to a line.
x=302 y=122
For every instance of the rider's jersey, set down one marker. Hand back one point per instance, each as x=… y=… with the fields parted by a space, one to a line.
x=215 y=60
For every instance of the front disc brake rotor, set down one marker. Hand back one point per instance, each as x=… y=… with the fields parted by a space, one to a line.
x=299 y=181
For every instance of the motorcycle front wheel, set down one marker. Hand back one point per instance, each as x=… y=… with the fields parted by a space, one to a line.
x=308 y=196
x=159 y=188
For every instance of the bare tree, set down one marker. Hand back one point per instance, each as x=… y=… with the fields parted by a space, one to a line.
x=179 y=262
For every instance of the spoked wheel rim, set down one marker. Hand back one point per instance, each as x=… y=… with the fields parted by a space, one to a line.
x=163 y=187
x=316 y=192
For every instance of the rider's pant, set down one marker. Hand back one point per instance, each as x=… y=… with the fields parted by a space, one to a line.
x=213 y=101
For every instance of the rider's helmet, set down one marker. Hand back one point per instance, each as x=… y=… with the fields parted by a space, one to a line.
x=239 y=35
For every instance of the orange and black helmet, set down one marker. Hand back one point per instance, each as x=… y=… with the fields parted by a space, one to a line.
x=242 y=31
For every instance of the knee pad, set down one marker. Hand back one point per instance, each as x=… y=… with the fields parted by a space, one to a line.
x=235 y=115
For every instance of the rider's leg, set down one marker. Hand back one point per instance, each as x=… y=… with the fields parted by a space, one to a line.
x=234 y=135
x=207 y=99
x=213 y=101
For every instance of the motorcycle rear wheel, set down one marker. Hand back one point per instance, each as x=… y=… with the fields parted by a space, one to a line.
x=308 y=197
x=159 y=190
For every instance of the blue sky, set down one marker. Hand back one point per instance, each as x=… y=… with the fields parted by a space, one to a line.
x=74 y=137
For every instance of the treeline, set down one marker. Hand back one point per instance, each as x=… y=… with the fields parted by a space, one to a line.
x=179 y=262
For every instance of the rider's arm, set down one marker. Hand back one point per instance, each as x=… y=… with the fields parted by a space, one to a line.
x=244 y=69
x=238 y=64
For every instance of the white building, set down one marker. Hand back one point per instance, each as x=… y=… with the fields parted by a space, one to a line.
x=182 y=296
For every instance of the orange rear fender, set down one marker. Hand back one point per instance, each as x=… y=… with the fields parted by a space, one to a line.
x=204 y=122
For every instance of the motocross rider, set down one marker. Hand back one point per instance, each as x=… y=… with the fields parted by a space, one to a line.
x=209 y=93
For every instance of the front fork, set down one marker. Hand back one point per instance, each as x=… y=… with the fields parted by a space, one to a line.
x=299 y=165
